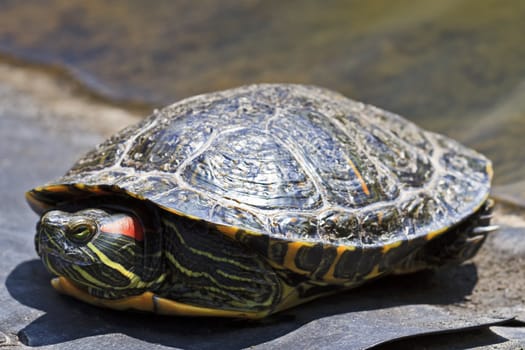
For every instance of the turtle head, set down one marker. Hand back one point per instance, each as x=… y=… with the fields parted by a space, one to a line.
x=100 y=252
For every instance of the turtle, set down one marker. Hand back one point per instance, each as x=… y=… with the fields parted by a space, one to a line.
x=249 y=201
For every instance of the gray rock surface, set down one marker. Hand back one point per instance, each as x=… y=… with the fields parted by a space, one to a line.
x=36 y=146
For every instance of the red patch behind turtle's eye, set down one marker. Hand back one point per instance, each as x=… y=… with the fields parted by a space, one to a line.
x=126 y=226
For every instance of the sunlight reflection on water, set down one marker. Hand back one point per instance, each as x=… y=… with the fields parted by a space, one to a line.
x=453 y=67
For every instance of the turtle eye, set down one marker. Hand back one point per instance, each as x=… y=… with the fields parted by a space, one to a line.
x=81 y=231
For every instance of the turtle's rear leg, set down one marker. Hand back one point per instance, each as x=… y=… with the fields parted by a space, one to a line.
x=456 y=245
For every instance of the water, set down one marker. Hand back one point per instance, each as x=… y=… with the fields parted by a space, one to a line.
x=456 y=67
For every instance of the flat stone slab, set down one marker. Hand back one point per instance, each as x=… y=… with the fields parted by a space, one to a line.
x=36 y=147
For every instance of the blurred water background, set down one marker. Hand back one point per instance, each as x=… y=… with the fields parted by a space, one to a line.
x=453 y=66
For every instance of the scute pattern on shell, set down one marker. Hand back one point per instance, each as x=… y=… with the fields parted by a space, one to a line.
x=293 y=161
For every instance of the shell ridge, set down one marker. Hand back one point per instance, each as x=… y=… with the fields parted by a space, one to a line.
x=305 y=165
x=131 y=141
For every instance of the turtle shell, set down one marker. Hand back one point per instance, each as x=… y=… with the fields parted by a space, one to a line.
x=292 y=162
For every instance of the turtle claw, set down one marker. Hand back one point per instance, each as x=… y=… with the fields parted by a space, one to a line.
x=483 y=230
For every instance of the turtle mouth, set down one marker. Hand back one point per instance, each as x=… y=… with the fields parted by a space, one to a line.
x=67 y=271
x=63 y=266
x=60 y=260
x=69 y=286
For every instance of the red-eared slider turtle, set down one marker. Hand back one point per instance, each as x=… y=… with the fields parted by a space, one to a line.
x=245 y=202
